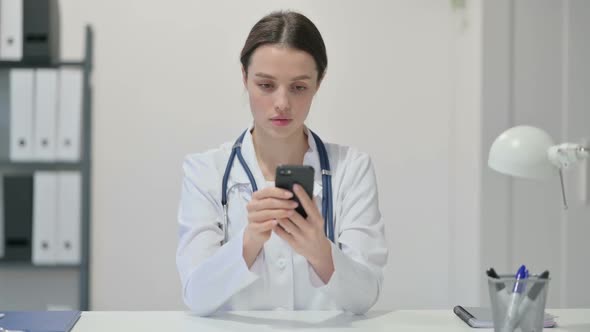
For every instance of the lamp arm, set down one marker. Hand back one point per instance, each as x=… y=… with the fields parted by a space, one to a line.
x=563 y=155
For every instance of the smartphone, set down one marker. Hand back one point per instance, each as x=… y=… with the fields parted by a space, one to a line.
x=288 y=175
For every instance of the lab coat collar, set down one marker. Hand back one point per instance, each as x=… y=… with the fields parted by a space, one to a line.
x=239 y=176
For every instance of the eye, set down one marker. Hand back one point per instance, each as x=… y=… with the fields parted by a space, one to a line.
x=265 y=86
x=299 y=88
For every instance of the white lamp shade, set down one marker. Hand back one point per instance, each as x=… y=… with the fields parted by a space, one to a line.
x=522 y=151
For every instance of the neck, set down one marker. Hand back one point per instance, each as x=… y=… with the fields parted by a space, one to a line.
x=272 y=152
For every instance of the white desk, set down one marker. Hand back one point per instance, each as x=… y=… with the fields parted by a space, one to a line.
x=572 y=320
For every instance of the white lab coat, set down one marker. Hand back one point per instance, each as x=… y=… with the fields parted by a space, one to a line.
x=215 y=277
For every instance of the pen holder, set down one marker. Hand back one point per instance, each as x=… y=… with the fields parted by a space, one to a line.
x=518 y=305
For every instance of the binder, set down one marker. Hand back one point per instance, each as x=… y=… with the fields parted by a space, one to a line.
x=69 y=217
x=16 y=114
x=38 y=321
x=69 y=114
x=44 y=218
x=4 y=114
x=17 y=212
x=41 y=31
x=45 y=110
x=11 y=30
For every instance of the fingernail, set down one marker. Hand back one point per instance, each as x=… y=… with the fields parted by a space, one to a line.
x=288 y=194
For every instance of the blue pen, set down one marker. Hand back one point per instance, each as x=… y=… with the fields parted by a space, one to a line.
x=515 y=299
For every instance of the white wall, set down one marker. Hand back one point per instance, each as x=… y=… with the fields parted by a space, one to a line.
x=535 y=71
x=167 y=83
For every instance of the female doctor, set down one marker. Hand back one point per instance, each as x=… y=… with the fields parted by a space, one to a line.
x=242 y=246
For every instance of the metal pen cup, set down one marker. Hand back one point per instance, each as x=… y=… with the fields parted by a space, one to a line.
x=518 y=311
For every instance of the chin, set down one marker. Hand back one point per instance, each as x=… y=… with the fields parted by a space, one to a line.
x=282 y=132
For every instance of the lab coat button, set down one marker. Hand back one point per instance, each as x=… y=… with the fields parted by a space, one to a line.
x=281 y=263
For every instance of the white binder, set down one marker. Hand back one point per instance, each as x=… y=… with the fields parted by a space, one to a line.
x=69 y=114
x=44 y=218
x=20 y=108
x=45 y=111
x=11 y=30
x=68 y=217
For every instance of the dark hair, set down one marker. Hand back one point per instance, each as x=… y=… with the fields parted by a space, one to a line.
x=290 y=29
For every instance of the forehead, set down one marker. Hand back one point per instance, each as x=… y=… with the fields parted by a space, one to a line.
x=280 y=61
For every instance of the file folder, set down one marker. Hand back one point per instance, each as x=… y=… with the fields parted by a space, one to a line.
x=41 y=31
x=17 y=215
x=69 y=217
x=44 y=218
x=16 y=114
x=11 y=30
x=40 y=321
x=4 y=114
x=45 y=110
x=69 y=114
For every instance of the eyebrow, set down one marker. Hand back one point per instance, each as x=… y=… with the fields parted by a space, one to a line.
x=297 y=78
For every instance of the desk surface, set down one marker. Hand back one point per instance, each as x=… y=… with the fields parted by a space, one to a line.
x=572 y=320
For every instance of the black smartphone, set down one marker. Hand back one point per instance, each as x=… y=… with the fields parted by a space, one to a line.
x=288 y=175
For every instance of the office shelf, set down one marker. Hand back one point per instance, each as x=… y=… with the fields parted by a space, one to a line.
x=8 y=64
x=28 y=167
x=24 y=285
x=30 y=265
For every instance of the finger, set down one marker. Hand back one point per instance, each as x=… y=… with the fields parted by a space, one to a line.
x=285 y=236
x=306 y=202
x=271 y=203
x=300 y=222
x=272 y=192
x=264 y=215
x=264 y=226
x=290 y=227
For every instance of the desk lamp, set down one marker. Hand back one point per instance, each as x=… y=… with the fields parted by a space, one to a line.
x=529 y=152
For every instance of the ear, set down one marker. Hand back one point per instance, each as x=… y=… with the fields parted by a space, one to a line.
x=244 y=77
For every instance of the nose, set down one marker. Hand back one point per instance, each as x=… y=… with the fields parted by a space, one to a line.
x=281 y=101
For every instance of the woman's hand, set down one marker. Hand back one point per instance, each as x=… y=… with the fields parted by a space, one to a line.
x=264 y=209
x=306 y=236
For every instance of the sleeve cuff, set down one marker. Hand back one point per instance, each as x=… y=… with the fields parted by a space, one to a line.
x=236 y=245
x=257 y=268
x=315 y=279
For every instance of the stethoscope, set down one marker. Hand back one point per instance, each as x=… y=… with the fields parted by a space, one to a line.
x=327 y=208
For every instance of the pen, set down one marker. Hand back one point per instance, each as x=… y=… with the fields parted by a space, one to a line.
x=529 y=300
x=515 y=299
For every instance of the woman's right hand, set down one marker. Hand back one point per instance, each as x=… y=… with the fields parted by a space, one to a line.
x=266 y=206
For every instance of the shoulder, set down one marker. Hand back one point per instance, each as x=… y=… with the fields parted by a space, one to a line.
x=345 y=159
x=207 y=165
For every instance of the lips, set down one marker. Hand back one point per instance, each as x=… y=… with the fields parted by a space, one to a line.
x=280 y=122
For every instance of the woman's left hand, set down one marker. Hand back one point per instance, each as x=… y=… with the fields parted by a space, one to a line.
x=306 y=236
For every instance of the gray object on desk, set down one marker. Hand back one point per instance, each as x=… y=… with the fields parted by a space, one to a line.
x=480 y=317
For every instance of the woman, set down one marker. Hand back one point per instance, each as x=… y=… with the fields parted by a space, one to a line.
x=266 y=255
